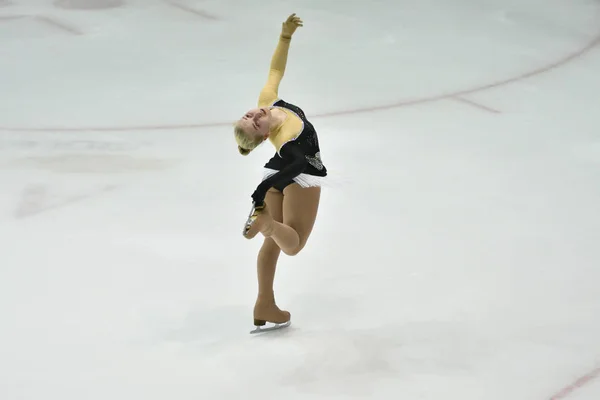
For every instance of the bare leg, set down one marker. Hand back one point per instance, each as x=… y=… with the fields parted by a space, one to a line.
x=286 y=225
x=285 y=237
x=265 y=308
x=269 y=252
x=300 y=206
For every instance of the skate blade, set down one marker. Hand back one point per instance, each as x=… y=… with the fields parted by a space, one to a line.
x=248 y=224
x=251 y=218
x=275 y=327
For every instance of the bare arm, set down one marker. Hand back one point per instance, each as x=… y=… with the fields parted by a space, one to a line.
x=270 y=91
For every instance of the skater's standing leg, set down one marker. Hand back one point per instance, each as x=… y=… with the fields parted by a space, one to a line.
x=265 y=308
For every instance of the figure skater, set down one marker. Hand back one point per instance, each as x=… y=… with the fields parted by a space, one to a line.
x=285 y=203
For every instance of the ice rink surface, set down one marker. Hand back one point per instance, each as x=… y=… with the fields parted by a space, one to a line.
x=456 y=255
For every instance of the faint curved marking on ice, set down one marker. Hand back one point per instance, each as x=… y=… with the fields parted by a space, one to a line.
x=191 y=10
x=88 y=4
x=36 y=199
x=51 y=22
x=93 y=164
x=57 y=24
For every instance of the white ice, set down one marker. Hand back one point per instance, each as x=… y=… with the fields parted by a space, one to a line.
x=456 y=253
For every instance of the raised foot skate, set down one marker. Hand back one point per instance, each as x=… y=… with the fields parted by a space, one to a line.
x=259 y=220
x=254 y=211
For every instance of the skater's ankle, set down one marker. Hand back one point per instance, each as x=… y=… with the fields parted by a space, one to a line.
x=265 y=297
x=267 y=231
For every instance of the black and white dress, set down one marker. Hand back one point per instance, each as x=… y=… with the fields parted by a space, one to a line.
x=298 y=160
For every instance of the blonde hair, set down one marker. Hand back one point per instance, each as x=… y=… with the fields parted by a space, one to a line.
x=246 y=143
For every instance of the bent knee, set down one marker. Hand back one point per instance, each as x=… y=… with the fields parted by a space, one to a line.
x=294 y=251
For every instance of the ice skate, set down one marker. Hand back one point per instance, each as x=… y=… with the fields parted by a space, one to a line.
x=267 y=312
x=259 y=220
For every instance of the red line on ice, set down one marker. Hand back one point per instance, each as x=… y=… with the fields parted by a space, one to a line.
x=579 y=383
x=538 y=71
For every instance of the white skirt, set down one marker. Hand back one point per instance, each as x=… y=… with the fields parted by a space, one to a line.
x=304 y=180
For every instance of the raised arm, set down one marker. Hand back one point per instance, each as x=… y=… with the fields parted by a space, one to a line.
x=270 y=91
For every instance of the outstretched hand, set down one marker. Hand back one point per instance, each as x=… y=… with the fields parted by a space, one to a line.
x=290 y=25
